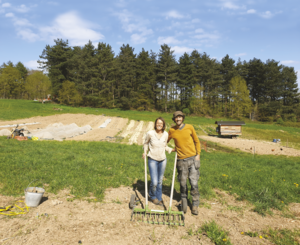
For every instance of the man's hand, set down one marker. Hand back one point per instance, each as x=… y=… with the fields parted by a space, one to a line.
x=197 y=158
x=173 y=150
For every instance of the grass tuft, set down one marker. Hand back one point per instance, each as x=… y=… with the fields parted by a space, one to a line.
x=216 y=233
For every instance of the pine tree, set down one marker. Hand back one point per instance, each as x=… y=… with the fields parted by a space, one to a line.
x=105 y=70
x=185 y=80
x=145 y=79
x=211 y=80
x=126 y=70
x=255 y=80
x=56 y=61
x=167 y=72
x=228 y=71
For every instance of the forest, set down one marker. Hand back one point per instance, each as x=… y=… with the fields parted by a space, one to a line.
x=195 y=83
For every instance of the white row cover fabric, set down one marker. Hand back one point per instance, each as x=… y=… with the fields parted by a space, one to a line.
x=5 y=132
x=21 y=124
x=58 y=131
x=103 y=125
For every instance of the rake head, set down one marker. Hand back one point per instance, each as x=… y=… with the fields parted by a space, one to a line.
x=158 y=217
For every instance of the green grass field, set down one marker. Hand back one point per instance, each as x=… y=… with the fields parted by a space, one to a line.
x=90 y=167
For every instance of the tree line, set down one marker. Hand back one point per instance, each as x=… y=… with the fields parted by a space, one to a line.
x=196 y=83
x=18 y=82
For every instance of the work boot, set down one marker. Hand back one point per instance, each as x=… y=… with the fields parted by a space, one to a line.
x=155 y=201
x=195 y=210
x=160 y=203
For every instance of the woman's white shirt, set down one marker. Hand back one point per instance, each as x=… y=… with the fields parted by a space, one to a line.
x=157 y=146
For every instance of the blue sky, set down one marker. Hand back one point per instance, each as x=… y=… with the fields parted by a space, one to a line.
x=262 y=29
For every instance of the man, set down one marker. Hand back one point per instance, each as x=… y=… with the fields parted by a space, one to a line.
x=188 y=150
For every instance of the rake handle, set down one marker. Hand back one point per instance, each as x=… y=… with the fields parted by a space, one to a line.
x=173 y=180
x=146 y=187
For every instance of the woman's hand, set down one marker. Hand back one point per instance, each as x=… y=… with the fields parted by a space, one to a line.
x=173 y=150
x=144 y=155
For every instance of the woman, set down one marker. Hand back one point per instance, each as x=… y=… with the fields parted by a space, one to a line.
x=156 y=141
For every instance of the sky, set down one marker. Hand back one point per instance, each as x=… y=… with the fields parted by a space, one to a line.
x=246 y=29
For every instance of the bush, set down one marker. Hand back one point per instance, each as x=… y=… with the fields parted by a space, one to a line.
x=186 y=111
x=280 y=121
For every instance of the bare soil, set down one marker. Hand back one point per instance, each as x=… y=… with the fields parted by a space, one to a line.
x=260 y=147
x=134 y=132
x=114 y=127
x=59 y=221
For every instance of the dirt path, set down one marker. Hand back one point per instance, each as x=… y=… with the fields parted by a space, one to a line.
x=109 y=222
x=261 y=147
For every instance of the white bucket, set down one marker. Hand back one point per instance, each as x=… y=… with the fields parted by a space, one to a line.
x=33 y=196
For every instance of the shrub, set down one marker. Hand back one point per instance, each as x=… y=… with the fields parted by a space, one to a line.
x=186 y=111
x=280 y=121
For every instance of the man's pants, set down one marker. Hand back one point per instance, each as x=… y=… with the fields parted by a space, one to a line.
x=189 y=168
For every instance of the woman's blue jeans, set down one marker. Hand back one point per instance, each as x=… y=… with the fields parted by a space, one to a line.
x=157 y=170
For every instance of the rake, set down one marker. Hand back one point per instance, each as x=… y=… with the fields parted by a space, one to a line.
x=160 y=217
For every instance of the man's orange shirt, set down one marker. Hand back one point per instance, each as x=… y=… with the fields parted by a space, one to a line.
x=186 y=141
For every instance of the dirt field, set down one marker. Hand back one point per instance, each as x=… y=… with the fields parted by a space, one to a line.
x=261 y=147
x=109 y=222
x=133 y=132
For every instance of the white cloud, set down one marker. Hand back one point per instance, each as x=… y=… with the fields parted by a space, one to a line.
x=167 y=40
x=142 y=37
x=207 y=36
x=240 y=54
x=136 y=25
x=121 y=3
x=289 y=62
x=6 y=5
x=70 y=26
x=53 y=3
x=267 y=15
x=22 y=9
x=32 y=64
x=28 y=35
x=181 y=50
x=230 y=4
x=251 y=11
x=195 y=20
x=9 y=15
x=200 y=30
x=174 y=14
x=66 y=26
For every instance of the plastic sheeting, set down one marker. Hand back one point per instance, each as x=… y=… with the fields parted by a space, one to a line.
x=5 y=132
x=58 y=131
x=103 y=125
